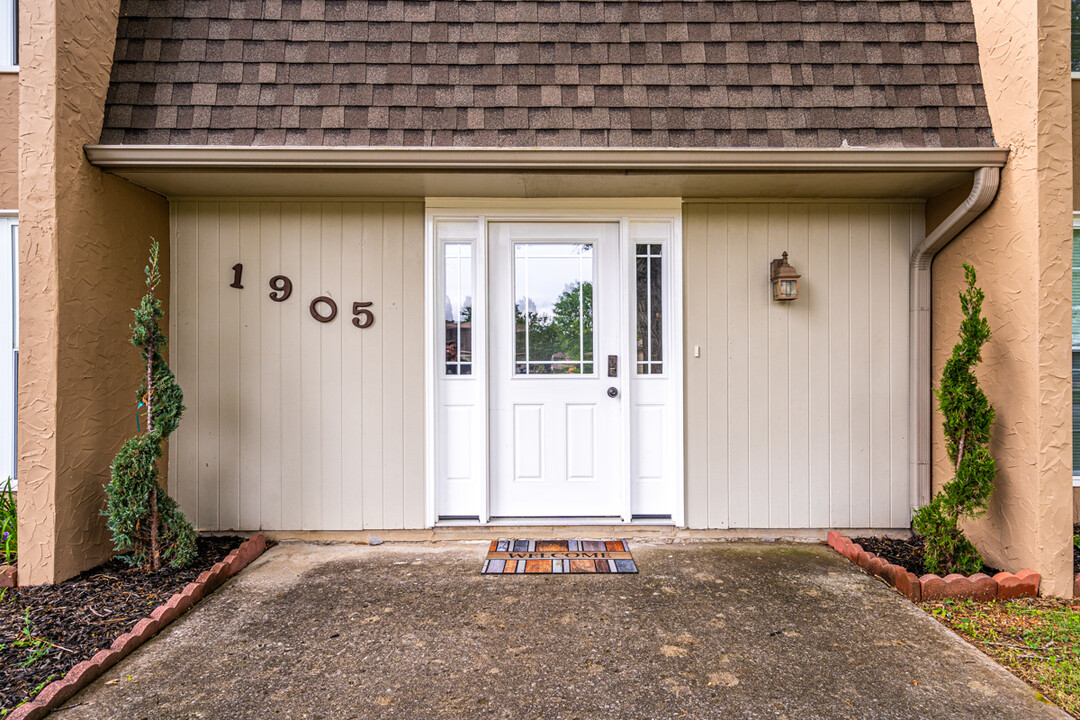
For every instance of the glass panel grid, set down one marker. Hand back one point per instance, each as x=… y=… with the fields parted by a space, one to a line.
x=650 y=335
x=1076 y=289
x=458 y=286
x=553 y=308
x=1075 y=35
x=1076 y=411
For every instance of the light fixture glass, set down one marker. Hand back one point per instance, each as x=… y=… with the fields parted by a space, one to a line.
x=784 y=279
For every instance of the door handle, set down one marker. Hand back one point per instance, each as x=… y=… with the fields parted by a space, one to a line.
x=612 y=392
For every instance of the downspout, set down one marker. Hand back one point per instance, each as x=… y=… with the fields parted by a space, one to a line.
x=982 y=194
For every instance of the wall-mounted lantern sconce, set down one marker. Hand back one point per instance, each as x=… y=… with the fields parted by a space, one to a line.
x=784 y=279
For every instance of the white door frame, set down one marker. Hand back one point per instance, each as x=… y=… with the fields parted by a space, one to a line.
x=477 y=213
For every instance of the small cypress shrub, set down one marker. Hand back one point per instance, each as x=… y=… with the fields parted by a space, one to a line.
x=968 y=421
x=147 y=526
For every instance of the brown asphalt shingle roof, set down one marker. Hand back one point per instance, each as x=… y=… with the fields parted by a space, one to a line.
x=567 y=74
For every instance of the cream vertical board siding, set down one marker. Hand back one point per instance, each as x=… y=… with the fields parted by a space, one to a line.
x=294 y=424
x=796 y=414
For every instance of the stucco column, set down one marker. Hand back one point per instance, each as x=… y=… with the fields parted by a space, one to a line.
x=83 y=242
x=1021 y=250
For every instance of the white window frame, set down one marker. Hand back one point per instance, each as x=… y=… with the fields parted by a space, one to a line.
x=9 y=36
x=9 y=238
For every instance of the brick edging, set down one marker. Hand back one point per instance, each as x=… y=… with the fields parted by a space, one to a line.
x=1003 y=586
x=57 y=692
x=9 y=576
x=1076 y=586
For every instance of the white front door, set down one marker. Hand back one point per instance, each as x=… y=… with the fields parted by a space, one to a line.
x=556 y=370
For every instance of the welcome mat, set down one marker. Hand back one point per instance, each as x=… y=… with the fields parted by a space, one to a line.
x=558 y=557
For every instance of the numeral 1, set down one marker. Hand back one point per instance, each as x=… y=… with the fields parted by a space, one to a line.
x=237 y=271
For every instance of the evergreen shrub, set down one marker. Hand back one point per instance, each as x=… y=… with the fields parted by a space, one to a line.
x=969 y=418
x=147 y=526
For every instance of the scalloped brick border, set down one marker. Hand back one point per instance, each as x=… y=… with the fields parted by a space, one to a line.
x=1003 y=586
x=57 y=692
x=9 y=576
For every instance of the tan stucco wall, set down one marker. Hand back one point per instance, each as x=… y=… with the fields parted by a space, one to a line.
x=1021 y=249
x=9 y=141
x=83 y=242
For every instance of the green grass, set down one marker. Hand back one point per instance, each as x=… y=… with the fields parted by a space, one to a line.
x=9 y=542
x=36 y=647
x=1037 y=639
x=33 y=694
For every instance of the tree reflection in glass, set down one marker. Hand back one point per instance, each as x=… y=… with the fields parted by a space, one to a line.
x=553 y=314
x=458 y=308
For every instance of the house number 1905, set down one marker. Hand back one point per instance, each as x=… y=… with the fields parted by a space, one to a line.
x=322 y=308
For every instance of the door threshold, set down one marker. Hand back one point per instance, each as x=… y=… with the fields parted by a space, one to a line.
x=557 y=521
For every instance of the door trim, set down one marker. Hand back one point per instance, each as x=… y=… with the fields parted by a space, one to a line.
x=479 y=212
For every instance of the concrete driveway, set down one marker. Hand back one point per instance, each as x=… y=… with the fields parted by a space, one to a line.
x=707 y=630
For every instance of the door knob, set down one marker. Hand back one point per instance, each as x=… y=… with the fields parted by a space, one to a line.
x=613 y=392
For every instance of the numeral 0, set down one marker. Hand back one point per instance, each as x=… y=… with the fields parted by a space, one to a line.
x=283 y=287
x=314 y=309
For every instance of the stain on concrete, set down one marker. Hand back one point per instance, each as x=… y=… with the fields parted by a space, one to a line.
x=722 y=630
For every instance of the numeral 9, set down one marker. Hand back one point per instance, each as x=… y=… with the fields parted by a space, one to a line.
x=283 y=287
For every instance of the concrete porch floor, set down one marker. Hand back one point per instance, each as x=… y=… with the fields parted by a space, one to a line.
x=706 y=630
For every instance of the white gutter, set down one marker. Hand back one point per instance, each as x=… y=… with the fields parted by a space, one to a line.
x=201 y=157
x=921 y=383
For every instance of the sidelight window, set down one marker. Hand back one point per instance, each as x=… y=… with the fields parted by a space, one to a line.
x=458 y=282
x=650 y=309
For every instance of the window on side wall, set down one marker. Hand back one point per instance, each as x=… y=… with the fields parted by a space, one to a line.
x=9 y=34
x=1076 y=344
x=1076 y=36
x=9 y=346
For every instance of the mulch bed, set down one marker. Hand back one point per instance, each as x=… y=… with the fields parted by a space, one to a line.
x=83 y=615
x=907 y=553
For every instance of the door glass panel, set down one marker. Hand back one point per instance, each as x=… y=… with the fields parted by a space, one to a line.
x=458 y=304
x=553 y=313
x=650 y=316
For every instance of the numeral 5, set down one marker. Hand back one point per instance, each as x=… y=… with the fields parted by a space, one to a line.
x=360 y=310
